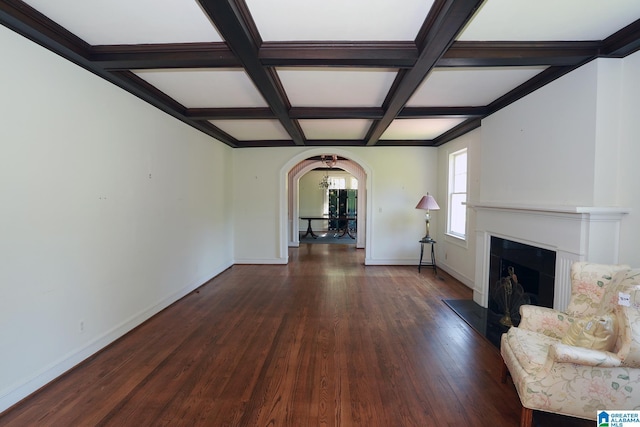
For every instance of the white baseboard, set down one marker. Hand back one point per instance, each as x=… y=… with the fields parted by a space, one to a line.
x=15 y=393
x=261 y=261
x=456 y=275
x=395 y=261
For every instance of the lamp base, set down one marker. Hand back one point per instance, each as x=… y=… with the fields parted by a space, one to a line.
x=426 y=236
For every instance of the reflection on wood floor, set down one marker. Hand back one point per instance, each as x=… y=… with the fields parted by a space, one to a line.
x=332 y=237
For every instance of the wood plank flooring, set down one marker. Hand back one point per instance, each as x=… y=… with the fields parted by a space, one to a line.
x=322 y=341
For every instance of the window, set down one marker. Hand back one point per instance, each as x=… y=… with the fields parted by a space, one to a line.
x=354 y=183
x=457 y=220
x=337 y=183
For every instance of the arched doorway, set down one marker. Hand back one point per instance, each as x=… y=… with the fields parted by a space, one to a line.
x=294 y=178
x=290 y=176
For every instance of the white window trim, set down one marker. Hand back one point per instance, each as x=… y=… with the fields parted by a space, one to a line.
x=455 y=237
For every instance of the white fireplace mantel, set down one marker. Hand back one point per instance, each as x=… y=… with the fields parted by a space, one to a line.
x=575 y=233
x=570 y=209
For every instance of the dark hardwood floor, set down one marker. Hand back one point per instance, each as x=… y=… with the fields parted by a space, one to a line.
x=322 y=341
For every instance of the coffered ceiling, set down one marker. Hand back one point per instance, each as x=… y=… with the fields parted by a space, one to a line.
x=332 y=72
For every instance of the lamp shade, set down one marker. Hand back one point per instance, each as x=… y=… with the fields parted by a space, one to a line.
x=428 y=203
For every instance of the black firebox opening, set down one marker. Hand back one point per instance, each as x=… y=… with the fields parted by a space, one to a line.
x=534 y=267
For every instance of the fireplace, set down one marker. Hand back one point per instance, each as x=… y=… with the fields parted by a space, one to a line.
x=530 y=268
x=572 y=233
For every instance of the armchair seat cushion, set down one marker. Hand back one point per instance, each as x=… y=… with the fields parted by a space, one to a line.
x=529 y=348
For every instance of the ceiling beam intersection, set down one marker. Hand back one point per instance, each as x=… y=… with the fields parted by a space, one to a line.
x=241 y=36
x=451 y=17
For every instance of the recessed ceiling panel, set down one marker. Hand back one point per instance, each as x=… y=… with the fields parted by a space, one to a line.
x=332 y=20
x=550 y=20
x=469 y=87
x=331 y=87
x=129 y=21
x=252 y=130
x=341 y=129
x=211 y=88
x=419 y=129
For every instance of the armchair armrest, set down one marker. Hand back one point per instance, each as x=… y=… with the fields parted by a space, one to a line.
x=543 y=320
x=563 y=353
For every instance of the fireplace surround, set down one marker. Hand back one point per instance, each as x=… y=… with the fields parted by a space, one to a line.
x=573 y=233
x=533 y=269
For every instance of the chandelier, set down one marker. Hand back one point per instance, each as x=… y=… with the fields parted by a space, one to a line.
x=330 y=162
x=324 y=183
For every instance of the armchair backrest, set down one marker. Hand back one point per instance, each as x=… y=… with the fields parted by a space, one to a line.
x=588 y=284
x=623 y=297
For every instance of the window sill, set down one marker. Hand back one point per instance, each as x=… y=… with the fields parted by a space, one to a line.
x=456 y=240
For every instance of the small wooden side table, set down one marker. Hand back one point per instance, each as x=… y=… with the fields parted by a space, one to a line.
x=432 y=264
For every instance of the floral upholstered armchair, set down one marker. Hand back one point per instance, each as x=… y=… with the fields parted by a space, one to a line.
x=586 y=358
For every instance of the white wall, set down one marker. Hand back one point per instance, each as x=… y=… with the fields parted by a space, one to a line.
x=607 y=131
x=109 y=211
x=399 y=178
x=541 y=149
x=629 y=172
x=311 y=201
x=402 y=177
